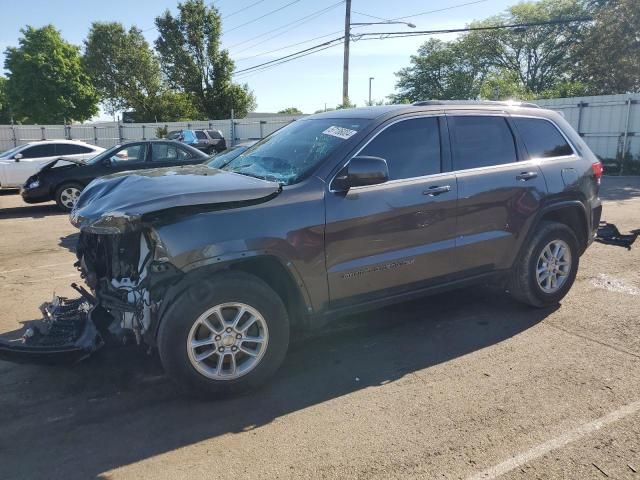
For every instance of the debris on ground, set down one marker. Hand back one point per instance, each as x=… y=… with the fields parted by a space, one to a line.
x=609 y=234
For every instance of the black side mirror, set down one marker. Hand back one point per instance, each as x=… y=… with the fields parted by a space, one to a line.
x=362 y=171
x=107 y=162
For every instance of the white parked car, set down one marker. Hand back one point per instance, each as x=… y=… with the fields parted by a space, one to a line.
x=19 y=163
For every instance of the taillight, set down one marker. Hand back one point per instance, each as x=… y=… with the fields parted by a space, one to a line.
x=597 y=170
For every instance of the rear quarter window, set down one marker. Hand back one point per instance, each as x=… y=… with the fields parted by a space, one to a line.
x=541 y=138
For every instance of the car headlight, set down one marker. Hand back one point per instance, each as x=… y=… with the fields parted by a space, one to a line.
x=33 y=184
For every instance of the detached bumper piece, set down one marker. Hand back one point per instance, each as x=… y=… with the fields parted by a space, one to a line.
x=65 y=334
x=609 y=234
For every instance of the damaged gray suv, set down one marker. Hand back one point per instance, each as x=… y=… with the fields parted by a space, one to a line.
x=337 y=212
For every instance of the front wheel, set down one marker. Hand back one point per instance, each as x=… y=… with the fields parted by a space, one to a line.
x=546 y=270
x=224 y=335
x=67 y=196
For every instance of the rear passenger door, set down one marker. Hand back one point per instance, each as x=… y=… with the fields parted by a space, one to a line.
x=499 y=192
x=399 y=235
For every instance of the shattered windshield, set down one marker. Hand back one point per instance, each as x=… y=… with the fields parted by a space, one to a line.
x=288 y=154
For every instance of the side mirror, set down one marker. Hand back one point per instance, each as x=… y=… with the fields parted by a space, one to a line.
x=17 y=157
x=107 y=162
x=362 y=171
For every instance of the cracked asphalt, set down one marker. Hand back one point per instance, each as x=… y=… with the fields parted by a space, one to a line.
x=464 y=385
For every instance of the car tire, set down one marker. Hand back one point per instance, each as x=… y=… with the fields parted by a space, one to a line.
x=205 y=312
x=552 y=253
x=66 y=195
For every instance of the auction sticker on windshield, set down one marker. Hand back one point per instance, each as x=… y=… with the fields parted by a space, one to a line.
x=340 y=132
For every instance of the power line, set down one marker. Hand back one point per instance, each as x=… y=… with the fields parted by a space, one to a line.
x=242 y=9
x=289 y=56
x=287 y=46
x=422 y=13
x=253 y=72
x=262 y=16
x=386 y=35
x=299 y=21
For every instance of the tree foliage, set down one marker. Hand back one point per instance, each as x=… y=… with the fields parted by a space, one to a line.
x=291 y=111
x=5 y=113
x=440 y=70
x=541 y=61
x=46 y=80
x=127 y=74
x=609 y=56
x=191 y=59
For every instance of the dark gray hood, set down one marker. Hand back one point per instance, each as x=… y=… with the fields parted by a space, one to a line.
x=116 y=203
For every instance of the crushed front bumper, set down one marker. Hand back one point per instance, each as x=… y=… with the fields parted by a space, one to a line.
x=65 y=334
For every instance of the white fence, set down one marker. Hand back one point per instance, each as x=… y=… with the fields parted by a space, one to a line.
x=610 y=124
x=110 y=134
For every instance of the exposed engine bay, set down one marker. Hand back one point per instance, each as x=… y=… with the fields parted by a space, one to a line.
x=122 y=301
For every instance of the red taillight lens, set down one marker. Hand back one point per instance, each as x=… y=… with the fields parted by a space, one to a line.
x=597 y=170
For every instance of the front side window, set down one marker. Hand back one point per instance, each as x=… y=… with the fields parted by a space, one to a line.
x=541 y=138
x=129 y=153
x=287 y=155
x=410 y=147
x=200 y=135
x=37 y=151
x=480 y=141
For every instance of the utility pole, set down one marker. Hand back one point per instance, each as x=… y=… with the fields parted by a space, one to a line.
x=345 y=66
x=370 y=78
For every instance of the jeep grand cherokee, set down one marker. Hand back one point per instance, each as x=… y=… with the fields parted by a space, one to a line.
x=341 y=211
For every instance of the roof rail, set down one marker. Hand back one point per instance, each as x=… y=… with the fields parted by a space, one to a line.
x=475 y=102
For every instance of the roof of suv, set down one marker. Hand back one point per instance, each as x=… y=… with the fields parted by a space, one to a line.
x=381 y=110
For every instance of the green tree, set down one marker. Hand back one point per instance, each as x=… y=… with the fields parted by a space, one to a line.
x=503 y=85
x=5 y=114
x=46 y=80
x=191 y=59
x=127 y=75
x=609 y=57
x=440 y=70
x=291 y=111
x=540 y=56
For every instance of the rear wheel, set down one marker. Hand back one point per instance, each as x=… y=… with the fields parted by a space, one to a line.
x=224 y=335
x=67 y=196
x=548 y=266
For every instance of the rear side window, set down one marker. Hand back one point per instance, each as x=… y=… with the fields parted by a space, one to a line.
x=70 y=149
x=479 y=141
x=200 y=135
x=542 y=138
x=410 y=147
x=215 y=134
x=37 y=151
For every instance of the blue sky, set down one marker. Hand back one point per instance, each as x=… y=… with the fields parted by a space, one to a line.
x=307 y=83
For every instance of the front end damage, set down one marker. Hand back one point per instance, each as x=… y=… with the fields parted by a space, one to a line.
x=121 y=306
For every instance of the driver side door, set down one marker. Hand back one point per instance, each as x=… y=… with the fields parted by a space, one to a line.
x=397 y=236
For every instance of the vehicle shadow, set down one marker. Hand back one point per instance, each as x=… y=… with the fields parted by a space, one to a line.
x=122 y=403
x=70 y=242
x=33 y=211
x=620 y=188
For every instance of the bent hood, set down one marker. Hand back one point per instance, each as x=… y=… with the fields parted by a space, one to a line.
x=117 y=203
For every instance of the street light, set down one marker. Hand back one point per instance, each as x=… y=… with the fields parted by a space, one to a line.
x=370 y=78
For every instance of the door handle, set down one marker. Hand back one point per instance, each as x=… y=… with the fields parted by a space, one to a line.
x=524 y=176
x=437 y=190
